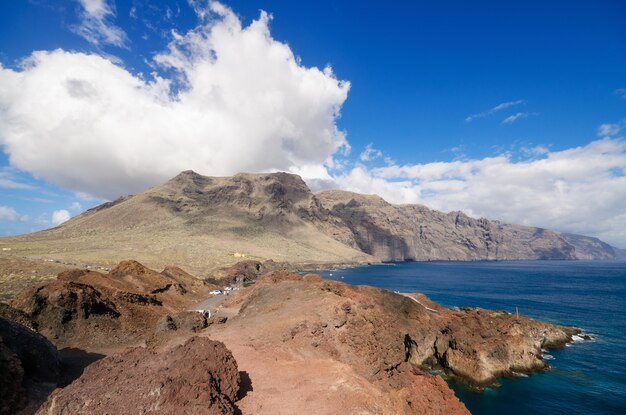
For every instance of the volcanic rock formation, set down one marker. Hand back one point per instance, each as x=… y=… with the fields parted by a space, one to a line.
x=366 y=350
x=197 y=377
x=300 y=342
x=88 y=309
x=28 y=362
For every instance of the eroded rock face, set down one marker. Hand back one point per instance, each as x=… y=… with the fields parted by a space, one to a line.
x=242 y=272
x=197 y=377
x=12 y=394
x=88 y=309
x=28 y=362
x=481 y=345
x=377 y=331
x=415 y=232
x=39 y=358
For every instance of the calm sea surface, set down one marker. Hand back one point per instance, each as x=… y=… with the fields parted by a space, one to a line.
x=586 y=377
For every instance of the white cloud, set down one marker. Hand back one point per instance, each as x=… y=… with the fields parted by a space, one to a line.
x=534 y=151
x=247 y=104
x=96 y=24
x=60 y=216
x=580 y=190
x=621 y=92
x=512 y=118
x=495 y=109
x=370 y=153
x=8 y=180
x=8 y=213
x=76 y=207
x=611 y=130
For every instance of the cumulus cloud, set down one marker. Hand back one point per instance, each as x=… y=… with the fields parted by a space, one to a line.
x=96 y=24
x=76 y=207
x=228 y=98
x=370 y=153
x=495 y=109
x=580 y=190
x=611 y=129
x=60 y=216
x=8 y=213
x=235 y=99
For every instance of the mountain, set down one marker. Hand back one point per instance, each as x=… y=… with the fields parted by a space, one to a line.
x=588 y=247
x=414 y=232
x=200 y=222
x=207 y=222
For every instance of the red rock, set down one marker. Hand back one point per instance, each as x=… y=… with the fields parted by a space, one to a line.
x=197 y=377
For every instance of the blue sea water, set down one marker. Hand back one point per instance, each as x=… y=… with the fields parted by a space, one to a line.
x=586 y=378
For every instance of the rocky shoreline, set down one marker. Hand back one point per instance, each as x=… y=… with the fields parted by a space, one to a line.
x=284 y=337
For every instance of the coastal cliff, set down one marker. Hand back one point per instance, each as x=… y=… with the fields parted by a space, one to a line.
x=415 y=232
x=285 y=344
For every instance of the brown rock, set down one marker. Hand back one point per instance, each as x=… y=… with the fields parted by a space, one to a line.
x=91 y=310
x=187 y=321
x=198 y=377
x=12 y=394
x=39 y=358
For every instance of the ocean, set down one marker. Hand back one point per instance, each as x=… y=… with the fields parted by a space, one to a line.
x=585 y=378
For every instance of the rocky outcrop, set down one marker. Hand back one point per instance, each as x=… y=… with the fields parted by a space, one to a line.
x=39 y=358
x=309 y=343
x=242 y=272
x=479 y=346
x=12 y=394
x=197 y=377
x=376 y=331
x=187 y=321
x=88 y=309
x=29 y=363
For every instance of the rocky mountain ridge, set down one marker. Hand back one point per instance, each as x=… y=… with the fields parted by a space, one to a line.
x=203 y=223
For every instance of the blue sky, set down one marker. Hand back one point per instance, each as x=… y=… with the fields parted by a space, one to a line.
x=511 y=111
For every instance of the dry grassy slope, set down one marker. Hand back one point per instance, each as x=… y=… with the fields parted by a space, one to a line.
x=200 y=223
x=401 y=232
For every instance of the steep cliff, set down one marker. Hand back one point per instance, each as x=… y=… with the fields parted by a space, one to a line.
x=414 y=232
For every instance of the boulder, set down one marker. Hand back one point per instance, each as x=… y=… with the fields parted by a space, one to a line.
x=12 y=394
x=197 y=377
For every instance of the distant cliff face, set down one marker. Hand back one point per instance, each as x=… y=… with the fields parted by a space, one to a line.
x=206 y=222
x=593 y=248
x=414 y=232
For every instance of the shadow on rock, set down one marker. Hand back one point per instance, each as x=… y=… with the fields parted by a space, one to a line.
x=245 y=385
x=73 y=364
